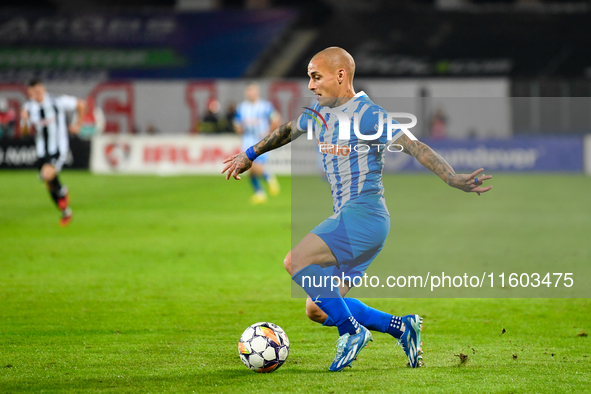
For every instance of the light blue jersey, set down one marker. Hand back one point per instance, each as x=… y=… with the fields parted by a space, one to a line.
x=359 y=227
x=354 y=166
x=255 y=118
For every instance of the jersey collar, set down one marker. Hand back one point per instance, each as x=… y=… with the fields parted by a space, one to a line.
x=346 y=105
x=46 y=100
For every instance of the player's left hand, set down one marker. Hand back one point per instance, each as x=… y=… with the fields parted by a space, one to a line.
x=236 y=165
x=472 y=182
x=74 y=128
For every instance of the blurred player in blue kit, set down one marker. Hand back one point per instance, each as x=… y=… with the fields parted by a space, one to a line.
x=348 y=241
x=256 y=118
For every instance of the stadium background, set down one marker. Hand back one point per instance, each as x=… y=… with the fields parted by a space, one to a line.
x=147 y=253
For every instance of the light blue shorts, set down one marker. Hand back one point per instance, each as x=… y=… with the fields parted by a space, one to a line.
x=355 y=235
x=262 y=159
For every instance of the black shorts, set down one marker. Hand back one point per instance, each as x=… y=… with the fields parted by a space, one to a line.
x=46 y=160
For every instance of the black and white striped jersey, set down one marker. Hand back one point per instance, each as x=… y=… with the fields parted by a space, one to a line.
x=49 y=120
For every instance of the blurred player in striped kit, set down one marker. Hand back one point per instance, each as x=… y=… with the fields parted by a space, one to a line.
x=47 y=114
x=255 y=119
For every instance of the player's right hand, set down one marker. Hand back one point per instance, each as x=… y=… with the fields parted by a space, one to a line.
x=236 y=165
x=24 y=115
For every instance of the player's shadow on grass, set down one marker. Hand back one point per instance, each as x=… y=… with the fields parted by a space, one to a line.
x=232 y=372
x=242 y=372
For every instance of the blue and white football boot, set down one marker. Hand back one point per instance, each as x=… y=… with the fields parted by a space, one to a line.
x=411 y=340
x=348 y=347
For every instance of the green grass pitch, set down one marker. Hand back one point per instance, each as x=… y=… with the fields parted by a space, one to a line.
x=150 y=287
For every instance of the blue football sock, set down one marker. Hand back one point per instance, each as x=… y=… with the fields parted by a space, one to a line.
x=266 y=176
x=395 y=327
x=256 y=183
x=317 y=284
x=371 y=318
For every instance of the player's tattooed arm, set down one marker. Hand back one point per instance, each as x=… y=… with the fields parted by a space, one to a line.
x=282 y=135
x=427 y=157
x=434 y=162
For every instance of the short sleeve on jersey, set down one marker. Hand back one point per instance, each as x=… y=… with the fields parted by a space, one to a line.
x=67 y=103
x=269 y=110
x=238 y=114
x=302 y=122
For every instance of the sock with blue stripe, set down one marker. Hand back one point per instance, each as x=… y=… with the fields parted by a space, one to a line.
x=256 y=183
x=313 y=280
x=371 y=318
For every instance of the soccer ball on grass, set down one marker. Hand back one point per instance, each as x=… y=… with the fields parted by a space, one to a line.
x=263 y=347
